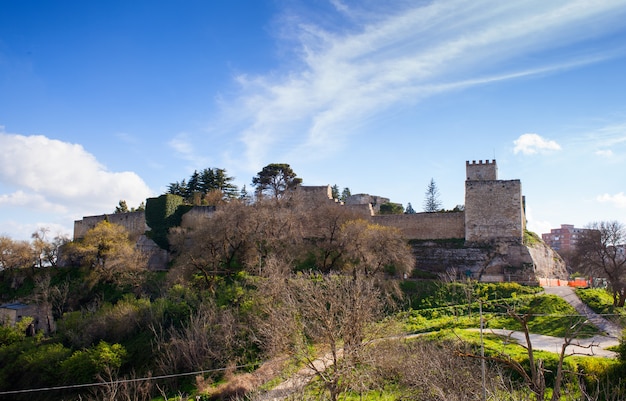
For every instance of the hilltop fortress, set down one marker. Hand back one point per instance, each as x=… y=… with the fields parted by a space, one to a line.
x=485 y=241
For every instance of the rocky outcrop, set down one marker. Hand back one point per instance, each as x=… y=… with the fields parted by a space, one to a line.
x=488 y=262
x=547 y=262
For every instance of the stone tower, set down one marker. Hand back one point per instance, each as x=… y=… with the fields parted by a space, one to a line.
x=487 y=171
x=494 y=209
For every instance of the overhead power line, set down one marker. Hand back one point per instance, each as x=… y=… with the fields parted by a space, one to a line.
x=120 y=381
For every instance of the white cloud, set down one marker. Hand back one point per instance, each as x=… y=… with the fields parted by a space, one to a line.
x=530 y=144
x=604 y=153
x=22 y=231
x=338 y=79
x=537 y=226
x=54 y=176
x=30 y=200
x=617 y=200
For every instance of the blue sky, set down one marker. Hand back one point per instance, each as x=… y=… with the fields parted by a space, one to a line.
x=110 y=100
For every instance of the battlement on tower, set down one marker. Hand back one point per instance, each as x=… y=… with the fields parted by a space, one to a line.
x=481 y=171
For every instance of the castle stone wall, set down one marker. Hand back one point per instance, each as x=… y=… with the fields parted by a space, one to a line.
x=367 y=199
x=494 y=210
x=317 y=194
x=134 y=222
x=196 y=213
x=426 y=225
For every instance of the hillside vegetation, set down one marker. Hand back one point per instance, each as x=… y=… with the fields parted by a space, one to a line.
x=249 y=299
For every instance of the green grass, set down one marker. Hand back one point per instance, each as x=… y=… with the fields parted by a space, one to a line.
x=531 y=238
x=551 y=316
x=425 y=294
x=389 y=393
x=601 y=301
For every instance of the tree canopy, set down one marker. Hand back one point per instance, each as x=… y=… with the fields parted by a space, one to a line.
x=275 y=179
x=201 y=184
x=391 y=208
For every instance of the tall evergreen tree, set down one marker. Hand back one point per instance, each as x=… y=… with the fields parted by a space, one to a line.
x=335 y=191
x=207 y=180
x=203 y=182
x=223 y=182
x=122 y=207
x=432 y=202
x=177 y=188
x=193 y=185
x=345 y=194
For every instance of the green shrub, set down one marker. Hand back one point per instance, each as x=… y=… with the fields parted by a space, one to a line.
x=83 y=365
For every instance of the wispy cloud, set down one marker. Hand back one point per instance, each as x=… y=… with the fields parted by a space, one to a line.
x=617 y=200
x=530 y=144
x=339 y=79
x=605 y=153
x=609 y=138
x=184 y=147
x=127 y=138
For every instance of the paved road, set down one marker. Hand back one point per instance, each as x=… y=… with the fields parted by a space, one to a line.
x=594 y=346
x=567 y=293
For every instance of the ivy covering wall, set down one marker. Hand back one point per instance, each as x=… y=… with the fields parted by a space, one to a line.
x=162 y=213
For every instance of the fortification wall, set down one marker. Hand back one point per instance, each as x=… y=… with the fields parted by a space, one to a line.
x=133 y=222
x=316 y=194
x=494 y=210
x=426 y=225
x=367 y=199
x=195 y=214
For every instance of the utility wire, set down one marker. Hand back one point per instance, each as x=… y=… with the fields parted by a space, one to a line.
x=121 y=381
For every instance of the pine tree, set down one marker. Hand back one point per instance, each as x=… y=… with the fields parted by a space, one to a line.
x=432 y=202
x=345 y=194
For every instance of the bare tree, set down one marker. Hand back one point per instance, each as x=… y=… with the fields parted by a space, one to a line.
x=334 y=312
x=430 y=371
x=15 y=254
x=237 y=237
x=601 y=251
x=326 y=244
x=215 y=245
x=373 y=249
x=208 y=340
x=121 y=388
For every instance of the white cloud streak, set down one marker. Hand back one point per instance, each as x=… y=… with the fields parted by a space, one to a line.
x=530 y=144
x=344 y=78
x=183 y=145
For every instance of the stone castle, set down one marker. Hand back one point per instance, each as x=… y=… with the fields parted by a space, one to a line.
x=485 y=241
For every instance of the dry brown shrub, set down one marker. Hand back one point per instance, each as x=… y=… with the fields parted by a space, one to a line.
x=238 y=386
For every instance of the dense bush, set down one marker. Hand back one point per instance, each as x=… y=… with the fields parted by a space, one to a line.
x=162 y=213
